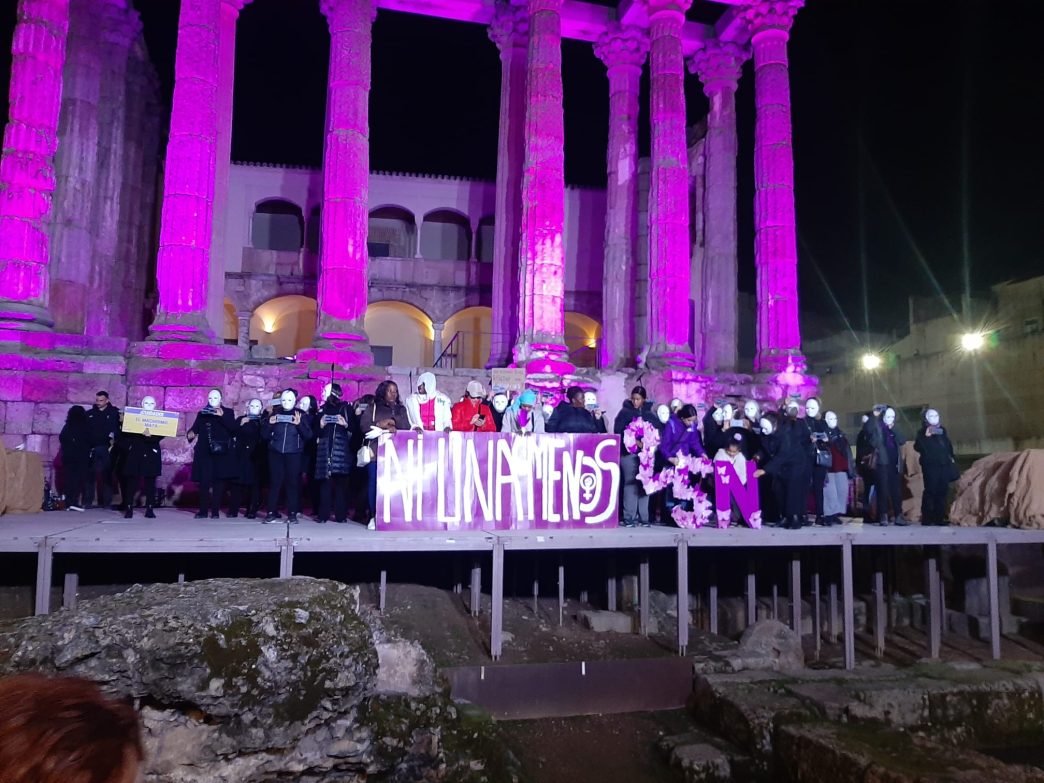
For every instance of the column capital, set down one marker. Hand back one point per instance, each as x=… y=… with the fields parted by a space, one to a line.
x=332 y=8
x=510 y=26
x=658 y=7
x=764 y=15
x=719 y=65
x=622 y=45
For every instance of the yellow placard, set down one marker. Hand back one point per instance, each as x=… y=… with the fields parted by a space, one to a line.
x=510 y=379
x=160 y=423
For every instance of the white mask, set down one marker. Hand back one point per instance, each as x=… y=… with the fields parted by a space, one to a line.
x=288 y=400
x=751 y=410
x=214 y=399
x=932 y=417
x=305 y=404
x=728 y=413
x=811 y=408
x=591 y=401
x=663 y=413
x=831 y=419
x=326 y=392
x=148 y=403
x=675 y=404
x=889 y=417
x=718 y=415
x=500 y=402
x=254 y=407
x=548 y=409
x=766 y=427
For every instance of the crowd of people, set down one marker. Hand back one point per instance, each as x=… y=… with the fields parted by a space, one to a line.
x=322 y=454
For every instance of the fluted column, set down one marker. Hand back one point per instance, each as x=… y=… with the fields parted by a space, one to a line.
x=623 y=50
x=719 y=65
x=346 y=160
x=775 y=233
x=670 y=322
x=510 y=32
x=186 y=222
x=541 y=344
x=27 y=163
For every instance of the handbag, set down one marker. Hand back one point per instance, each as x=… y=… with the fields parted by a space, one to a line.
x=953 y=473
x=869 y=461
x=364 y=456
x=215 y=446
x=824 y=459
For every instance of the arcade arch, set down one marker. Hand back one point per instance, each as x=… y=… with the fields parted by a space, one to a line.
x=392 y=233
x=446 y=235
x=472 y=328
x=582 y=334
x=399 y=334
x=277 y=224
x=287 y=322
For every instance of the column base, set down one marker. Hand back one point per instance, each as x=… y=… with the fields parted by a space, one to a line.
x=182 y=327
x=339 y=346
x=780 y=361
x=25 y=317
x=666 y=359
x=546 y=363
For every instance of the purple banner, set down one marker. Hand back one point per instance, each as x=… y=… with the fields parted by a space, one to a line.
x=494 y=481
x=729 y=488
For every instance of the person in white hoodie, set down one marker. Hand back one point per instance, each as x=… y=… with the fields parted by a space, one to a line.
x=429 y=409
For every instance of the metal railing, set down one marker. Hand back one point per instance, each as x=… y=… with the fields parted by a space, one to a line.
x=471 y=349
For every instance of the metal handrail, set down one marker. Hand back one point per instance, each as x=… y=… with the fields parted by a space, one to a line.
x=450 y=344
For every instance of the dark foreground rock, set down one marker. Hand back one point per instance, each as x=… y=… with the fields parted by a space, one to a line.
x=264 y=680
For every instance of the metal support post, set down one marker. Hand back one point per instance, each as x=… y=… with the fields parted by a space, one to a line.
x=496 y=623
x=683 y=597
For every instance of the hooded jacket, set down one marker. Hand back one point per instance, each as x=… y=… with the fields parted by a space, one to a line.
x=443 y=405
x=512 y=415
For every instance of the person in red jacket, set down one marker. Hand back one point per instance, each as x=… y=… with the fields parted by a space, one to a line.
x=471 y=414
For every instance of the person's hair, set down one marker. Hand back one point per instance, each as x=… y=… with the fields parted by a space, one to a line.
x=313 y=403
x=335 y=390
x=104 y=394
x=774 y=419
x=382 y=387
x=572 y=391
x=687 y=412
x=640 y=391
x=366 y=399
x=64 y=730
x=76 y=415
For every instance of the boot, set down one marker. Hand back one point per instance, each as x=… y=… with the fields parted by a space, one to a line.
x=149 y=514
x=128 y=513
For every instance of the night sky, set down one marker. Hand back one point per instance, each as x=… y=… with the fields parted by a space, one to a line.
x=909 y=113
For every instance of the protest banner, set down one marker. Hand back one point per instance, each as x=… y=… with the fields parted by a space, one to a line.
x=509 y=379
x=729 y=489
x=161 y=423
x=497 y=481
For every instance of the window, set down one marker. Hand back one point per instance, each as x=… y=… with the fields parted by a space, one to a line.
x=382 y=355
x=277 y=225
x=378 y=249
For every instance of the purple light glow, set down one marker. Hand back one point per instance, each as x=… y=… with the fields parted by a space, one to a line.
x=669 y=275
x=27 y=166
x=623 y=50
x=775 y=239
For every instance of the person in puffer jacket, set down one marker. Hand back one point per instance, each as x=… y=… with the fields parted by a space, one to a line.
x=286 y=445
x=339 y=439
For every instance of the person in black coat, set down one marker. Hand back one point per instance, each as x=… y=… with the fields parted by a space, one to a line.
x=864 y=449
x=635 y=501
x=250 y=463
x=938 y=466
x=573 y=415
x=103 y=422
x=310 y=486
x=790 y=465
x=887 y=444
x=714 y=425
x=815 y=432
x=213 y=459
x=287 y=440
x=339 y=438
x=76 y=456
x=142 y=463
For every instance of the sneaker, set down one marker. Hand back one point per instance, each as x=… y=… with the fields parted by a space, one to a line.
x=291 y=518
x=341 y=521
x=372 y=524
x=250 y=515
x=76 y=508
x=273 y=519
x=901 y=521
x=200 y=515
x=149 y=514
x=215 y=515
x=128 y=514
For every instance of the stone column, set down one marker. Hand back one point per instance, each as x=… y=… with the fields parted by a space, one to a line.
x=343 y=259
x=27 y=162
x=719 y=65
x=243 y=328
x=186 y=222
x=623 y=50
x=76 y=169
x=670 y=322
x=436 y=342
x=510 y=32
x=541 y=344
x=775 y=233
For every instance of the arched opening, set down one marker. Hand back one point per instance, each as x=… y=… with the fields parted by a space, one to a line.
x=277 y=224
x=392 y=233
x=400 y=334
x=231 y=328
x=581 y=337
x=287 y=322
x=446 y=235
x=465 y=337
x=484 y=240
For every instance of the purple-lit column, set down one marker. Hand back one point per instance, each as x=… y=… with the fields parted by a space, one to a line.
x=719 y=65
x=775 y=234
x=510 y=32
x=343 y=259
x=27 y=163
x=541 y=345
x=623 y=50
x=670 y=322
x=186 y=222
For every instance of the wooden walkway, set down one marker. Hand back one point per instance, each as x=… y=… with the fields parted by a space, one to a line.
x=175 y=531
